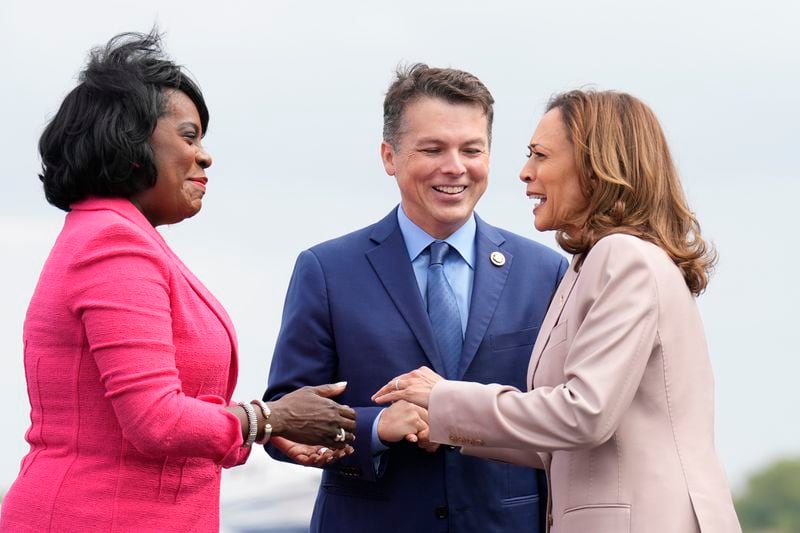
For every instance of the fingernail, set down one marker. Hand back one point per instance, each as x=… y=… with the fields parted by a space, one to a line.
x=341 y=384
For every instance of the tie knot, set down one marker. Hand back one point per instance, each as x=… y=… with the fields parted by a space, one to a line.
x=439 y=250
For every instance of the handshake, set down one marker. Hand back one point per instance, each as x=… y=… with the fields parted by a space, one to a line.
x=405 y=418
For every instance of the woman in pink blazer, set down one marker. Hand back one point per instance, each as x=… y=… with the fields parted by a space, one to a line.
x=130 y=362
x=620 y=411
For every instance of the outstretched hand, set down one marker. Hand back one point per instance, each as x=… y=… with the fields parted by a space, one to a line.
x=307 y=454
x=414 y=387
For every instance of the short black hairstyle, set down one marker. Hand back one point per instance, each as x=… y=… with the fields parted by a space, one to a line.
x=98 y=143
x=416 y=81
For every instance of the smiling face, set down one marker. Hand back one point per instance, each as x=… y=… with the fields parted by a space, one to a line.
x=180 y=161
x=441 y=163
x=551 y=177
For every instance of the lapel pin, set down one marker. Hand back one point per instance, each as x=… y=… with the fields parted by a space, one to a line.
x=497 y=259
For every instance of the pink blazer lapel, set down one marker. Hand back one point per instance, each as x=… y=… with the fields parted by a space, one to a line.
x=551 y=319
x=215 y=307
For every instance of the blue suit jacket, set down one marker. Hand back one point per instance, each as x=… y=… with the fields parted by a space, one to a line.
x=354 y=313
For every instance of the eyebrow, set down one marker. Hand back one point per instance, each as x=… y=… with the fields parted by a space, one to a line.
x=190 y=124
x=477 y=140
x=534 y=145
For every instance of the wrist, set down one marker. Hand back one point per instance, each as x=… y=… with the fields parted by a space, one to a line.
x=277 y=418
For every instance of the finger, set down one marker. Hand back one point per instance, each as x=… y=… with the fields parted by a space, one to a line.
x=383 y=390
x=392 y=385
x=330 y=389
x=347 y=412
x=411 y=437
x=388 y=396
x=422 y=412
x=347 y=424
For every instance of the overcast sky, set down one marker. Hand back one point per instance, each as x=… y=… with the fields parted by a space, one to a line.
x=295 y=91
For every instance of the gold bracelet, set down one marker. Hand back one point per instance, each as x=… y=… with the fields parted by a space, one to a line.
x=267 y=426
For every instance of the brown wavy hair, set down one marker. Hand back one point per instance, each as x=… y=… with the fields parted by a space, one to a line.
x=628 y=176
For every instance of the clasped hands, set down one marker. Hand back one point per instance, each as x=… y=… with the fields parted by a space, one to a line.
x=406 y=418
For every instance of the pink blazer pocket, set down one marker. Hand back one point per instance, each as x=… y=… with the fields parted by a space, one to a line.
x=597 y=518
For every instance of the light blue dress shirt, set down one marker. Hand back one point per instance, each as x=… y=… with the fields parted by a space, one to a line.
x=459 y=269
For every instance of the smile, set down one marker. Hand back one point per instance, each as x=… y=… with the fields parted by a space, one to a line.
x=538 y=199
x=450 y=189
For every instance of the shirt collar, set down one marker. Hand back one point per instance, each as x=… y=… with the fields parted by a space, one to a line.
x=416 y=239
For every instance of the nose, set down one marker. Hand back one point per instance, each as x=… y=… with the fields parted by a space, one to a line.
x=526 y=174
x=452 y=164
x=203 y=158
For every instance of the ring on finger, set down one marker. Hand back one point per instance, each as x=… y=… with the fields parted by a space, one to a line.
x=397 y=384
x=340 y=435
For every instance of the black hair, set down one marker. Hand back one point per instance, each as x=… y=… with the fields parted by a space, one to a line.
x=98 y=143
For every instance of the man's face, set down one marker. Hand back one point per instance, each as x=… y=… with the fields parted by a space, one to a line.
x=441 y=163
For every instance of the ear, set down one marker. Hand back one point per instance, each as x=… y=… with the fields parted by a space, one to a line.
x=387 y=156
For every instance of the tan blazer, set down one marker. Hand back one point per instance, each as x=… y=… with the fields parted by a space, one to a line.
x=621 y=411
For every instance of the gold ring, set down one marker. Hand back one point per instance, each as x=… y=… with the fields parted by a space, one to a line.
x=397 y=384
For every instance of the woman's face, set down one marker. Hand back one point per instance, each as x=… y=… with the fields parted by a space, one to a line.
x=552 y=178
x=180 y=161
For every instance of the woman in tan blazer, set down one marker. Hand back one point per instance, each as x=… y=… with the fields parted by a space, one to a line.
x=620 y=411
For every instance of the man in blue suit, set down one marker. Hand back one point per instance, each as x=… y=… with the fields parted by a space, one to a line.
x=359 y=309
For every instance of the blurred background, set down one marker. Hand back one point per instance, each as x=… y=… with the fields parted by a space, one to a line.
x=295 y=91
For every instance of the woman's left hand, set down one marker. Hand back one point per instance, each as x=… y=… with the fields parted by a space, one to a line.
x=414 y=387
x=307 y=454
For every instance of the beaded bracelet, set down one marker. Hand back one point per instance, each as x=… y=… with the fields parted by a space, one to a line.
x=252 y=422
x=267 y=426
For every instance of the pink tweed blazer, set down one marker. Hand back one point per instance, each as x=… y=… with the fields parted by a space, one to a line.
x=129 y=362
x=621 y=408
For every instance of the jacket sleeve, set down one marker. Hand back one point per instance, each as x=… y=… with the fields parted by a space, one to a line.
x=118 y=284
x=305 y=354
x=603 y=366
x=516 y=456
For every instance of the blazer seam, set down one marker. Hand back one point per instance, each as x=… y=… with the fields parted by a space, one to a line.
x=324 y=278
x=669 y=411
x=652 y=308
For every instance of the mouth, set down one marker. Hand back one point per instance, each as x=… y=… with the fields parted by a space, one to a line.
x=450 y=189
x=200 y=182
x=538 y=199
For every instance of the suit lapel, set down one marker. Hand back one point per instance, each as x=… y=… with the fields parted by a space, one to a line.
x=392 y=265
x=487 y=286
x=554 y=311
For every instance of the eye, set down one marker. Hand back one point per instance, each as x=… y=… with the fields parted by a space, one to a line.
x=534 y=153
x=473 y=151
x=429 y=151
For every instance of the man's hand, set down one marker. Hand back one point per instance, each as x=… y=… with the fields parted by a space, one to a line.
x=404 y=420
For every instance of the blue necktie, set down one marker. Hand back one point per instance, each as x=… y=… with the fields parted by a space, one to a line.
x=443 y=311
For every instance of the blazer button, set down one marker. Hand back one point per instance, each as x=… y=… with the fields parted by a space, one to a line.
x=441 y=512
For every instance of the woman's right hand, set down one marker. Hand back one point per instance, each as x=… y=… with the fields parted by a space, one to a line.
x=309 y=416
